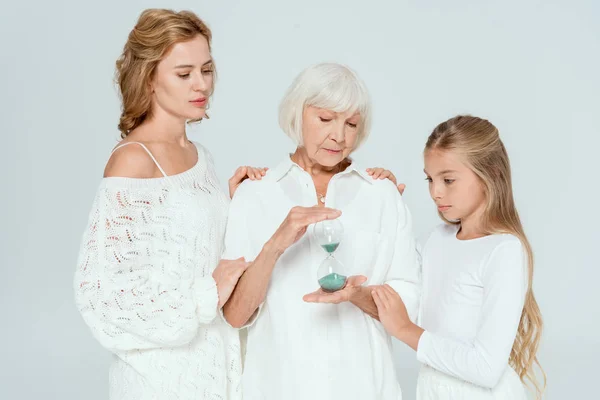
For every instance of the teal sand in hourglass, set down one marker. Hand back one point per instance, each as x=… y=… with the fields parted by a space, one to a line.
x=330 y=248
x=331 y=274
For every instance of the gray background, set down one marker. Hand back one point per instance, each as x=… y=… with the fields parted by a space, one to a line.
x=531 y=67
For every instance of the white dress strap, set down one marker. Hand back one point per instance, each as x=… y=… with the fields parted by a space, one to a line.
x=147 y=151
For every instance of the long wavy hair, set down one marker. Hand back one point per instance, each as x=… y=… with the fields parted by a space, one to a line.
x=478 y=141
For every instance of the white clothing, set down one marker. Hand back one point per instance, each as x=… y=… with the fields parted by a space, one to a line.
x=299 y=350
x=473 y=292
x=144 y=286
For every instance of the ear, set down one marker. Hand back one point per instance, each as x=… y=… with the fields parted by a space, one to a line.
x=151 y=82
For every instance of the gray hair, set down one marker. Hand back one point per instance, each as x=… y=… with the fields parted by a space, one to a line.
x=331 y=86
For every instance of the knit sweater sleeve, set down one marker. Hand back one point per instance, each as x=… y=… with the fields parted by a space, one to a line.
x=136 y=285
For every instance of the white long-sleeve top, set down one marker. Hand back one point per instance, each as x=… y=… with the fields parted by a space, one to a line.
x=472 y=297
x=299 y=350
x=144 y=286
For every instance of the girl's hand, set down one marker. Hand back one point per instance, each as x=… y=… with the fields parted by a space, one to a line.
x=392 y=311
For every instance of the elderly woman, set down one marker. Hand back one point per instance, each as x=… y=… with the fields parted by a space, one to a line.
x=297 y=349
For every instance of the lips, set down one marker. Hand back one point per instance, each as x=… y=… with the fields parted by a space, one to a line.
x=200 y=102
x=443 y=208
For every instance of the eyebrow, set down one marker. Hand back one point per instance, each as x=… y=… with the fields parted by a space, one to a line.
x=191 y=66
x=446 y=171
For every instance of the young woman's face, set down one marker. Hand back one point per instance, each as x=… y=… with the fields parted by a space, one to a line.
x=183 y=80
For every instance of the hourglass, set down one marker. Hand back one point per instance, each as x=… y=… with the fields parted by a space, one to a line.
x=331 y=274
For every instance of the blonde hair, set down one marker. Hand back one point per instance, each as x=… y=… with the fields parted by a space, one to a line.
x=155 y=32
x=479 y=142
x=331 y=86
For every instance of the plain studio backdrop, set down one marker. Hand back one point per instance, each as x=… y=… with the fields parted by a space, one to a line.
x=531 y=67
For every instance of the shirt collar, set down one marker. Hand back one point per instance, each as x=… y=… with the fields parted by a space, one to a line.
x=287 y=165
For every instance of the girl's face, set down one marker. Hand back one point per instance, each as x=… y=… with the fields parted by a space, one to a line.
x=456 y=190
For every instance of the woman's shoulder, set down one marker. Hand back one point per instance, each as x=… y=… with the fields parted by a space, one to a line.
x=130 y=160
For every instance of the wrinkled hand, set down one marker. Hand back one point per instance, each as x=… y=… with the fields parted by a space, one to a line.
x=243 y=173
x=381 y=173
x=353 y=283
x=391 y=309
x=297 y=221
x=226 y=275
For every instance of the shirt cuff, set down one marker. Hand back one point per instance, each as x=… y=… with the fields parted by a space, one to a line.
x=423 y=347
x=207 y=299
x=250 y=322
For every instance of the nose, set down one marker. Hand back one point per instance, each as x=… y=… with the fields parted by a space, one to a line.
x=436 y=191
x=337 y=132
x=200 y=84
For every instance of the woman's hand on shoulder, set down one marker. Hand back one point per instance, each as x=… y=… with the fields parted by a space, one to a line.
x=381 y=173
x=243 y=173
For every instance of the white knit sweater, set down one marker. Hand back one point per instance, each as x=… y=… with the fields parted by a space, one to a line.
x=144 y=286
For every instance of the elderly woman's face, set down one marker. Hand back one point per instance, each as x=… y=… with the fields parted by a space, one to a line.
x=329 y=137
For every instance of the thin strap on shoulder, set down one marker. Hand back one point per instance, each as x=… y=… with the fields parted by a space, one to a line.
x=147 y=151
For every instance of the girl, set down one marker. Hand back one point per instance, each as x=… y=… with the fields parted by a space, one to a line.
x=480 y=325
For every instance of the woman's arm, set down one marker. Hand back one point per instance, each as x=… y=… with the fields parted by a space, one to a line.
x=252 y=287
x=403 y=273
x=122 y=288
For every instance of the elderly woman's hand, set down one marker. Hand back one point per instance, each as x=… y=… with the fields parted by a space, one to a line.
x=243 y=173
x=352 y=285
x=381 y=173
x=295 y=224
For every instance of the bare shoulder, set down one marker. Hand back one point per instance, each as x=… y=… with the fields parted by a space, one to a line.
x=130 y=161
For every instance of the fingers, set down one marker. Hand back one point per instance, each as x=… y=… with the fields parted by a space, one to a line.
x=237 y=270
x=392 y=295
x=239 y=264
x=243 y=266
x=356 y=280
x=322 y=297
x=313 y=218
x=375 y=172
x=389 y=290
x=377 y=299
x=391 y=177
x=244 y=172
x=382 y=173
x=304 y=216
x=383 y=297
x=401 y=188
x=313 y=210
x=313 y=297
x=238 y=175
x=310 y=298
x=256 y=173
